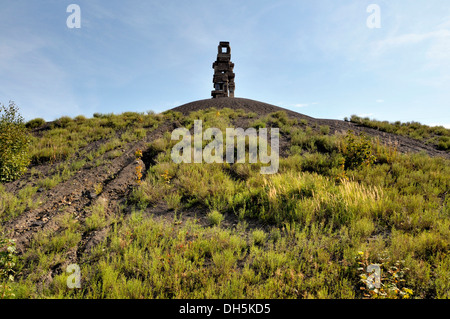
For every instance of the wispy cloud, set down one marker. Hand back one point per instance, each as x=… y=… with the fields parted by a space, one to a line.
x=411 y=38
x=304 y=104
x=436 y=49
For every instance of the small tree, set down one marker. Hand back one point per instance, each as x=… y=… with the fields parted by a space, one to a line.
x=14 y=143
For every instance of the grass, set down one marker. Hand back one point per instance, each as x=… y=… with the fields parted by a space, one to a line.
x=296 y=234
x=396 y=204
x=13 y=205
x=438 y=136
x=192 y=261
x=97 y=218
x=215 y=218
x=68 y=136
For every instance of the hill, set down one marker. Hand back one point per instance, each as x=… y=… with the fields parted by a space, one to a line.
x=103 y=193
x=336 y=126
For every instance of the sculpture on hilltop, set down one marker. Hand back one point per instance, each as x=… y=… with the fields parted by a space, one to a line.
x=223 y=78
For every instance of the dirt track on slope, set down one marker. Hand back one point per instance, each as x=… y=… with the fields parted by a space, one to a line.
x=76 y=195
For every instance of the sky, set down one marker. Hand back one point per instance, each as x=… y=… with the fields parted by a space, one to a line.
x=323 y=58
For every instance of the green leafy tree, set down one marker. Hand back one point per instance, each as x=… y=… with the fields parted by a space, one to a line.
x=14 y=143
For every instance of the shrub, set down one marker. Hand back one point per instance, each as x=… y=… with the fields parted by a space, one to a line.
x=14 y=143
x=173 y=201
x=98 y=188
x=215 y=218
x=444 y=143
x=80 y=118
x=438 y=136
x=63 y=121
x=147 y=193
x=97 y=219
x=258 y=124
x=259 y=237
x=35 y=123
x=357 y=151
x=325 y=129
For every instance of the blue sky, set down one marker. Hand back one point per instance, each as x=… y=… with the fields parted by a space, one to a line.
x=314 y=57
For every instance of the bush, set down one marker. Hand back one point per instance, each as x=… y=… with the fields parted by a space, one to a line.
x=357 y=151
x=259 y=237
x=35 y=123
x=80 y=119
x=14 y=143
x=444 y=143
x=63 y=121
x=215 y=218
x=438 y=135
x=258 y=124
x=324 y=129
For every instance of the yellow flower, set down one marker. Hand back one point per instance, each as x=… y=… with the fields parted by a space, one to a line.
x=408 y=291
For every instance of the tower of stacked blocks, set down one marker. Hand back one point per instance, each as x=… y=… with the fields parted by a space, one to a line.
x=223 y=73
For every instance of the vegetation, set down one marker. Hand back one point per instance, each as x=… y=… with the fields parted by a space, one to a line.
x=438 y=136
x=35 y=123
x=338 y=204
x=357 y=151
x=392 y=283
x=7 y=264
x=14 y=142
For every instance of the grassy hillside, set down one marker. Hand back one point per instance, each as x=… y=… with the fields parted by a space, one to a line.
x=105 y=194
x=438 y=136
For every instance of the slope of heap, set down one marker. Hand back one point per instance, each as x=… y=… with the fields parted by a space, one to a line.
x=403 y=144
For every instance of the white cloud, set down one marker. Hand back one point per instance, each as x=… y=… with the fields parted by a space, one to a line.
x=427 y=52
x=379 y=101
x=409 y=39
x=304 y=104
x=414 y=38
